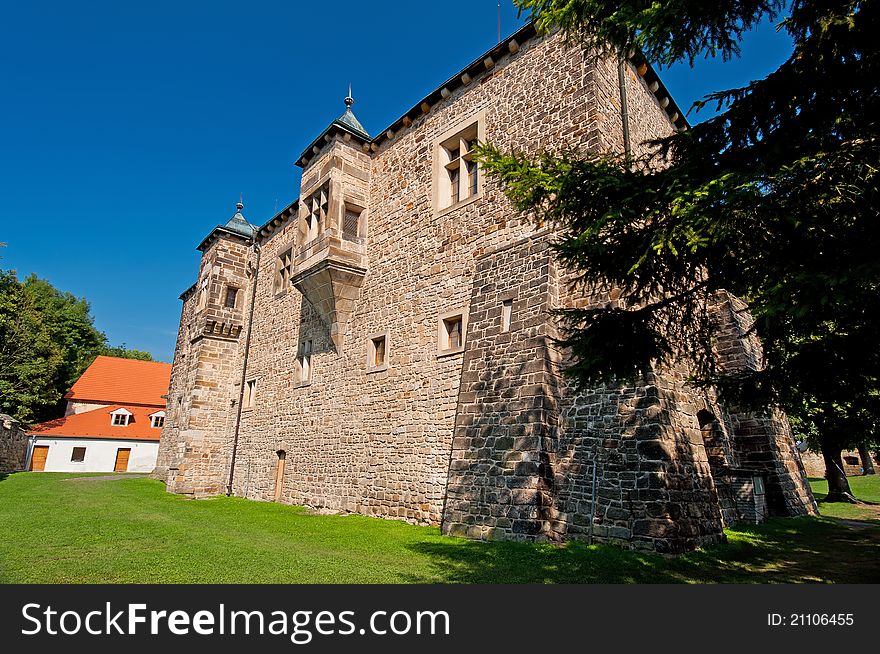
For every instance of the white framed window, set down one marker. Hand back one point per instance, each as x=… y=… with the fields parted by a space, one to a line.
x=451 y=332
x=157 y=420
x=305 y=362
x=78 y=455
x=250 y=394
x=120 y=417
x=457 y=177
x=377 y=352
x=283 y=270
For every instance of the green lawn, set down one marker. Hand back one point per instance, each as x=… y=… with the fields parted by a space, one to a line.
x=67 y=528
x=866 y=489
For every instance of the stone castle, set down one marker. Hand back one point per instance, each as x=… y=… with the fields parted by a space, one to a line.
x=384 y=344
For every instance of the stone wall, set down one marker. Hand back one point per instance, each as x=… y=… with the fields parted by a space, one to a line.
x=489 y=440
x=13 y=445
x=196 y=442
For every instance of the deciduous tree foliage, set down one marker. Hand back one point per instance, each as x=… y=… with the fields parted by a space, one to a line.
x=47 y=339
x=774 y=199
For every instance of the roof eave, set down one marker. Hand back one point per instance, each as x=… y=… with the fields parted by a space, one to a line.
x=220 y=228
x=309 y=153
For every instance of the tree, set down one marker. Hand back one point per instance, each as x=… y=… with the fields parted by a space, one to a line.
x=774 y=199
x=29 y=359
x=122 y=352
x=47 y=339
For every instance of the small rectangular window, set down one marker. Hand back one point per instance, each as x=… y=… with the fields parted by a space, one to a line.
x=377 y=352
x=78 y=455
x=351 y=223
x=157 y=422
x=250 y=394
x=231 y=297
x=506 y=314
x=451 y=332
x=120 y=419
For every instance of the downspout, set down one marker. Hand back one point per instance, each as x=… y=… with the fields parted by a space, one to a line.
x=244 y=365
x=624 y=106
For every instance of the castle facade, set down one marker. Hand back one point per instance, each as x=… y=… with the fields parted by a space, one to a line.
x=384 y=344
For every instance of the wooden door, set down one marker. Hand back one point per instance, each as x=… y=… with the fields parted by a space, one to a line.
x=122 y=455
x=38 y=459
x=279 y=474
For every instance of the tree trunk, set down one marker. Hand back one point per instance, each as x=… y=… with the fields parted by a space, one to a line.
x=838 y=486
x=867 y=463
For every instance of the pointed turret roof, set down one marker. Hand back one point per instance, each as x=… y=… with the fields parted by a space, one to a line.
x=347 y=123
x=237 y=225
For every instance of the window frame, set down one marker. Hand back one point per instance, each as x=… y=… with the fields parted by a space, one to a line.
x=283 y=271
x=249 y=398
x=231 y=289
x=506 y=314
x=451 y=152
x=443 y=319
x=155 y=418
x=372 y=366
x=304 y=366
x=124 y=414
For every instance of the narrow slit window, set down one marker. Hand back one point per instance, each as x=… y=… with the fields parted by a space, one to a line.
x=250 y=394
x=379 y=351
x=231 y=297
x=506 y=315
x=305 y=362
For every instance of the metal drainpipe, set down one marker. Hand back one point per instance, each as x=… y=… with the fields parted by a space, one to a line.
x=247 y=351
x=624 y=106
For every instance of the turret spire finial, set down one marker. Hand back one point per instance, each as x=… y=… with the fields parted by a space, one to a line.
x=349 y=100
x=240 y=204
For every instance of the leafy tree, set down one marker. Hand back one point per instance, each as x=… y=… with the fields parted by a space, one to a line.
x=774 y=199
x=29 y=359
x=47 y=339
x=123 y=352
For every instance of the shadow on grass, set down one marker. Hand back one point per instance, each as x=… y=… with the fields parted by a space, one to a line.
x=782 y=551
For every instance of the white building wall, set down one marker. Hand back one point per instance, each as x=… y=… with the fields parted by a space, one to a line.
x=100 y=454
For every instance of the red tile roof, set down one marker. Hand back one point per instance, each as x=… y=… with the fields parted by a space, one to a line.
x=97 y=424
x=123 y=381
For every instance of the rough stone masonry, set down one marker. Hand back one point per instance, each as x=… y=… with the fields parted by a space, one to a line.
x=384 y=345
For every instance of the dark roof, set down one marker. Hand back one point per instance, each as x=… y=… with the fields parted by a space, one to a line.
x=480 y=65
x=349 y=122
x=236 y=226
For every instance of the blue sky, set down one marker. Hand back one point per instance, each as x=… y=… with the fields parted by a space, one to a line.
x=128 y=130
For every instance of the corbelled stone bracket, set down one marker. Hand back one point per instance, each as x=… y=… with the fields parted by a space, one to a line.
x=332 y=288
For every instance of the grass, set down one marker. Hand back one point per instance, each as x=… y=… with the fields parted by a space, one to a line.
x=866 y=489
x=62 y=528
